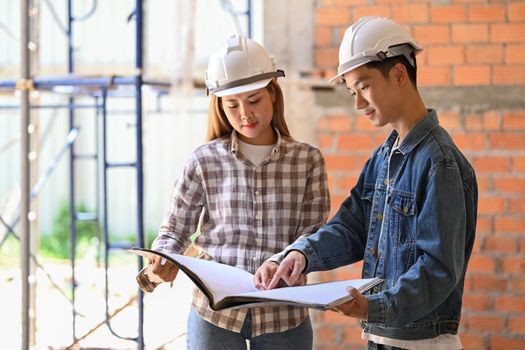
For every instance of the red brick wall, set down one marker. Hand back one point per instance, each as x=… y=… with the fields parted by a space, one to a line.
x=468 y=45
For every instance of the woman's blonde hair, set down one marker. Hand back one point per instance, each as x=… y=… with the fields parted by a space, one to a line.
x=218 y=124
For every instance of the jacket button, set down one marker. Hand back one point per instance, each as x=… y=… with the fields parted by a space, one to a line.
x=372 y=251
x=405 y=209
x=379 y=217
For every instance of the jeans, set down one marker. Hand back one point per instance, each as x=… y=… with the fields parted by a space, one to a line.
x=202 y=335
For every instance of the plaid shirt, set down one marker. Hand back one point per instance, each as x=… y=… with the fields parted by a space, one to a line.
x=246 y=214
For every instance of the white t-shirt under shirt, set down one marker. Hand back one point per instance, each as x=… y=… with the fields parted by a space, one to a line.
x=255 y=153
x=441 y=342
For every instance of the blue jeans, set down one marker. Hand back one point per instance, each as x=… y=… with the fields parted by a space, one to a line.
x=202 y=335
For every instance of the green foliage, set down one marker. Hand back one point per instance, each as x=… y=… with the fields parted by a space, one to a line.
x=57 y=244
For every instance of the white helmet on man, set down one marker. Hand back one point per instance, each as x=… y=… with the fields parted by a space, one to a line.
x=374 y=39
x=242 y=65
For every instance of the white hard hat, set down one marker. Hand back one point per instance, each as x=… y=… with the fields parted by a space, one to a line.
x=241 y=65
x=374 y=39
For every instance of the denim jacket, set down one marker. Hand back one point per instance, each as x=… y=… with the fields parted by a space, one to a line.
x=429 y=222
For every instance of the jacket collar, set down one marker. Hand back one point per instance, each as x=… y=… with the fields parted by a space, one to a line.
x=415 y=136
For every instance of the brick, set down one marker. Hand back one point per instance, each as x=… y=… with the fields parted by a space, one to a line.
x=431 y=34
x=498 y=244
x=470 y=33
x=516 y=11
x=484 y=184
x=518 y=285
x=323 y=36
x=448 y=14
x=484 y=223
x=332 y=16
x=370 y=10
x=486 y=323
x=508 y=75
x=516 y=324
x=332 y=317
x=514 y=120
x=352 y=142
x=344 y=163
x=362 y=123
x=509 y=224
x=492 y=164
x=482 y=263
x=507 y=141
x=514 y=54
x=336 y=123
x=518 y=164
x=516 y=205
x=491 y=204
x=509 y=184
x=474 y=122
x=506 y=342
x=352 y=335
x=507 y=32
x=513 y=265
x=469 y=141
x=411 y=13
x=327 y=57
x=471 y=75
x=492 y=120
x=390 y=2
x=325 y=141
x=443 y=55
x=487 y=13
x=476 y=302
x=433 y=76
x=473 y=341
x=510 y=304
x=326 y=334
x=484 y=54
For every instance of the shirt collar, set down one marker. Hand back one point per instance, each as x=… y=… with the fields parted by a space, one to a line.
x=415 y=136
x=234 y=147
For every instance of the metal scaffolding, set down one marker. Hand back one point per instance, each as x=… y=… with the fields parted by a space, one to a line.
x=100 y=89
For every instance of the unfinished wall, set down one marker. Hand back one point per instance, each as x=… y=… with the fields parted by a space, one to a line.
x=472 y=71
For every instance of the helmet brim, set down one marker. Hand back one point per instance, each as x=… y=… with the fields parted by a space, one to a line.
x=243 y=88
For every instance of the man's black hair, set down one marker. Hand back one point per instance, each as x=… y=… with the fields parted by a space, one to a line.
x=387 y=64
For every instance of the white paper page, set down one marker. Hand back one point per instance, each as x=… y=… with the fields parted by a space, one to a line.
x=222 y=280
x=313 y=294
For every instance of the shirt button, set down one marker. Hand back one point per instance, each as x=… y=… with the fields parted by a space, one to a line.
x=257 y=193
x=372 y=251
x=379 y=217
x=258 y=216
x=254 y=258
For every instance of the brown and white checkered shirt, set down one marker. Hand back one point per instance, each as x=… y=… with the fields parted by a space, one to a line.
x=249 y=213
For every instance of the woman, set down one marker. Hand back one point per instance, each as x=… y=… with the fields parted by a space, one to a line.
x=252 y=190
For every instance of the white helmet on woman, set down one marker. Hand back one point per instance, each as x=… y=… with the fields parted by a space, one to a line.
x=241 y=65
x=374 y=39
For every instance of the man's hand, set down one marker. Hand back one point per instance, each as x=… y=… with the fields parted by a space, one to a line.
x=357 y=307
x=290 y=270
x=264 y=274
x=159 y=270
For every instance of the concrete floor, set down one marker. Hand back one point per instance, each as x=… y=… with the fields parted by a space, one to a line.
x=165 y=310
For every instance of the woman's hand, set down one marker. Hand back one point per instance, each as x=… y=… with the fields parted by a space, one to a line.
x=160 y=270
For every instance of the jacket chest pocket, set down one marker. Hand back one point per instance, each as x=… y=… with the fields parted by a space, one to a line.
x=403 y=218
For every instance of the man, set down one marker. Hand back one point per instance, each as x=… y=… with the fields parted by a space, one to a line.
x=412 y=214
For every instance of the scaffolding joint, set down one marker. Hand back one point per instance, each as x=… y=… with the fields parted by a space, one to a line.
x=25 y=85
